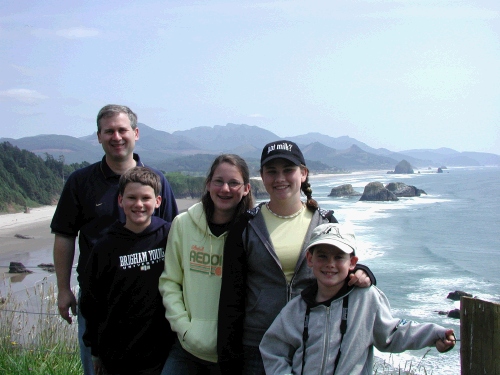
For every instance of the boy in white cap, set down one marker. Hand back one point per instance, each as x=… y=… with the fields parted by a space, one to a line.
x=332 y=327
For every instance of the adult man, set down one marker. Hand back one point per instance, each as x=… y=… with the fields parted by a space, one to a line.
x=89 y=205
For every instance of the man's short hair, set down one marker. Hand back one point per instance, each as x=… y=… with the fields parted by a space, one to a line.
x=142 y=175
x=112 y=110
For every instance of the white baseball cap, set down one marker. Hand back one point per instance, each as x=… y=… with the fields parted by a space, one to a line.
x=338 y=235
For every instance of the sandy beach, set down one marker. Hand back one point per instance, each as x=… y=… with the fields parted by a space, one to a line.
x=35 y=227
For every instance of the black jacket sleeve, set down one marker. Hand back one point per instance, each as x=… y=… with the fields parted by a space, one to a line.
x=368 y=272
x=232 y=300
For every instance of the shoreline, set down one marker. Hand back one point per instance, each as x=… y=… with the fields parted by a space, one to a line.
x=35 y=226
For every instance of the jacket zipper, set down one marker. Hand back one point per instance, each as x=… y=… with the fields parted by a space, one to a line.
x=326 y=341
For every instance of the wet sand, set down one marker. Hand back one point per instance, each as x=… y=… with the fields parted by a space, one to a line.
x=35 y=226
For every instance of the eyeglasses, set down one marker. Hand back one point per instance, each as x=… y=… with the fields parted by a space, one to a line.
x=232 y=184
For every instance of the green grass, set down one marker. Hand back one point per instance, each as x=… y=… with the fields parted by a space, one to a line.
x=33 y=338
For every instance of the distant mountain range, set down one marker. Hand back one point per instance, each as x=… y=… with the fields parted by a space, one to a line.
x=193 y=150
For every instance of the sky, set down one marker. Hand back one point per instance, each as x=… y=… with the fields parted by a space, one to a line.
x=397 y=74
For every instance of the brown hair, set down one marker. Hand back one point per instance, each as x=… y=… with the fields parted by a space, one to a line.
x=142 y=175
x=311 y=203
x=112 y=110
x=246 y=202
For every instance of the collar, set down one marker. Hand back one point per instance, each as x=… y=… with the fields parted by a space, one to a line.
x=309 y=294
x=108 y=173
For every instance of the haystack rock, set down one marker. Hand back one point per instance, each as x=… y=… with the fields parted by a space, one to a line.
x=403 y=167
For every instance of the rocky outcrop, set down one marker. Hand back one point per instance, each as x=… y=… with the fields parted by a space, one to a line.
x=455 y=296
x=440 y=170
x=16 y=267
x=400 y=189
x=345 y=190
x=376 y=191
x=455 y=313
x=403 y=167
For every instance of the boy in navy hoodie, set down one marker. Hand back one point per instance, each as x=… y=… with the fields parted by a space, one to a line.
x=126 y=326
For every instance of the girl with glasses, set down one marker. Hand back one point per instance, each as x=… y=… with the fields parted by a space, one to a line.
x=190 y=283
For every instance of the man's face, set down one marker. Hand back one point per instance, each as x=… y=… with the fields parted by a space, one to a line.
x=117 y=137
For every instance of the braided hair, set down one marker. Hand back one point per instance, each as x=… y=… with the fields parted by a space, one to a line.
x=311 y=203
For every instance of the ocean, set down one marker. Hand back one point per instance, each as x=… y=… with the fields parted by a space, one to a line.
x=422 y=248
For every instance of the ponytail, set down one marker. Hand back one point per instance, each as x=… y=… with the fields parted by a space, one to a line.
x=306 y=189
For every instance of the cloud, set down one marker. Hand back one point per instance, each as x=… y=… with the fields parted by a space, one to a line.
x=256 y=115
x=78 y=32
x=23 y=70
x=23 y=95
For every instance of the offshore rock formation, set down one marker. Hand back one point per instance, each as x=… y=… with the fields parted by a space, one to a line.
x=455 y=296
x=400 y=189
x=403 y=167
x=455 y=313
x=345 y=190
x=376 y=191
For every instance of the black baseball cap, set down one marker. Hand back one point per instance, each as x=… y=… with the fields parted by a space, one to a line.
x=282 y=150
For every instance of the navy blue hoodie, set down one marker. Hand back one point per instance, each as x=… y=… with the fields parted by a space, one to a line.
x=123 y=308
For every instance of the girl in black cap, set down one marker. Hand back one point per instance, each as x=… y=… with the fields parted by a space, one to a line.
x=264 y=258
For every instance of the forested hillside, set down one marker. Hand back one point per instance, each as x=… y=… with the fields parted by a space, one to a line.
x=27 y=180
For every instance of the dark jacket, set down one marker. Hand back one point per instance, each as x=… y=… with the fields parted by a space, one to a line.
x=254 y=288
x=88 y=206
x=123 y=308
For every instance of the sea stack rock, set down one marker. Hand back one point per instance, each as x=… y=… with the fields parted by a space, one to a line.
x=343 y=191
x=403 y=167
x=376 y=191
x=400 y=189
x=455 y=296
